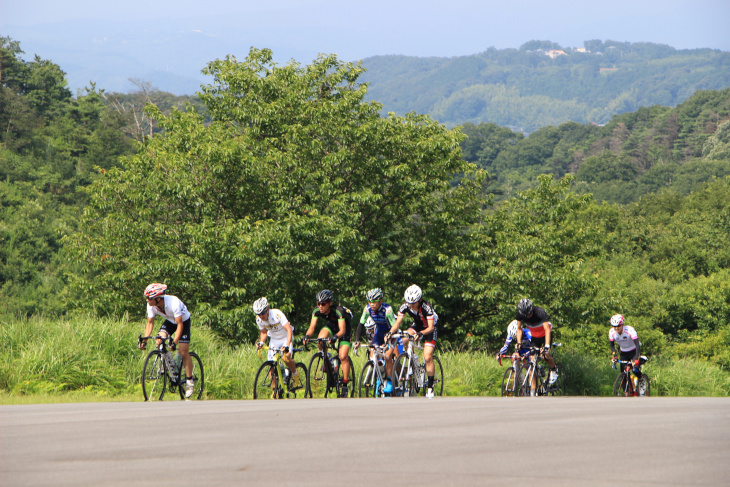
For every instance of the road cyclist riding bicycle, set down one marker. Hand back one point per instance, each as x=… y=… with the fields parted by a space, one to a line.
x=382 y=316
x=425 y=325
x=629 y=347
x=273 y=323
x=176 y=324
x=337 y=319
x=536 y=320
x=510 y=381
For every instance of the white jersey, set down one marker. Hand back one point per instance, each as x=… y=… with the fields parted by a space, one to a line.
x=274 y=324
x=625 y=340
x=172 y=308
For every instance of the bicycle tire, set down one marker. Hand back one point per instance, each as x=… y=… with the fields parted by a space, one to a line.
x=198 y=378
x=317 y=383
x=622 y=387
x=266 y=384
x=154 y=377
x=527 y=371
x=558 y=387
x=647 y=384
x=368 y=386
x=292 y=392
x=438 y=378
x=510 y=383
x=403 y=377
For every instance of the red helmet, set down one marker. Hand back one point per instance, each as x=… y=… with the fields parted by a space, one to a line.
x=617 y=320
x=155 y=289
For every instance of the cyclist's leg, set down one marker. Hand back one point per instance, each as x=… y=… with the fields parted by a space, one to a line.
x=428 y=348
x=344 y=352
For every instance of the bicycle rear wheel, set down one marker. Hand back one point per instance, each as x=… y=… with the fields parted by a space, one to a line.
x=403 y=377
x=510 y=383
x=266 y=384
x=154 y=378
x=622 y=385
x=317 y=378
x=644 y=383
x=525 y=378
x=438 y=378
x=557 y=388
x=198 y=378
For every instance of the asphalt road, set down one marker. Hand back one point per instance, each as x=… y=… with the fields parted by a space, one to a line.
x=444 y=441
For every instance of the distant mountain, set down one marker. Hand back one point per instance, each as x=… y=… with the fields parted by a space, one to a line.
x=543 y=84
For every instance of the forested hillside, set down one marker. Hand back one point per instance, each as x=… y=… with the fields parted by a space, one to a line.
x=542 y=83
x=301 y=184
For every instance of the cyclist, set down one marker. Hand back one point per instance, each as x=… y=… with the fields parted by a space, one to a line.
x=629 y=345
x=382 y=316
x=424 y=326
x=536 y=320
x=272 y=322
x=177 y=322
x=336 y=326
x=522 y=351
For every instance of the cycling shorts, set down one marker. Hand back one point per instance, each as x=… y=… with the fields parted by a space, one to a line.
x=345 y=339
x=170 y=328
x=281 y=342
x=430 y=339
x=540 y=341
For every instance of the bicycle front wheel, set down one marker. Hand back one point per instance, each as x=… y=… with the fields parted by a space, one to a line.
x=317 y=377
x=403 y=377
x=525 y=379
x=622 y=386
x=154 y=378
x=438 y=378
x=198 y=378
x=644 y=385
x=510 y=383
x=368 y=385
x=266 y=384
x=298 y=383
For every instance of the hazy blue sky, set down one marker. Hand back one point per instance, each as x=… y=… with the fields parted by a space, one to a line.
x=420 y=27
x=113 y=41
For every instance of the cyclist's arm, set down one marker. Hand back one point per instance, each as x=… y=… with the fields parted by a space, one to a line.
x=343 y=327
x=262 y=335
x=312 y=326
x=548 y=333
x=150 y=325
x=612 y=344
x=637 y=354
x=429 y=326
x=396 y=325
x=504 y=349
x=518 y=336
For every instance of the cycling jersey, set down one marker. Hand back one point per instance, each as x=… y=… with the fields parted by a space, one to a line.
x=524 y=347
x=171 y=308
x=534 y=321
x=274 y=324
x=331 y=319
x=383 y=318
x=625 y=340
x=420 y=318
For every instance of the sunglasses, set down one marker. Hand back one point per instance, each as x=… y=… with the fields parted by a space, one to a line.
x=322 y=303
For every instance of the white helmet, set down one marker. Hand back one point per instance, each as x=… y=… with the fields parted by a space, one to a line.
x=369 y=323
x=512 y=329
x=260 y=305
x=413 y=294
x=617 y=320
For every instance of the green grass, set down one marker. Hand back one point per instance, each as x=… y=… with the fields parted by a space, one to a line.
x=87 y=359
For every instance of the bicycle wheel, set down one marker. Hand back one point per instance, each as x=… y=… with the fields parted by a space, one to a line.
x=339 y=379
x=403 y=377
x=438 y=378
x=621 y=387
x=317 y=377
x=645 y=384
x=154 y=378
x=525 y=377
x=266 y=384
x=368 y=385
x=510 y=383
x=198 y=378
x=557 y=388
x=293 y=388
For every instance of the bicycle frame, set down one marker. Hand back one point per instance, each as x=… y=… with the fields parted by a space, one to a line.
x=372 y=377
x=159 y=365
x=330 y=373
x=625 y=385
x=408 y=379
x=537 y=374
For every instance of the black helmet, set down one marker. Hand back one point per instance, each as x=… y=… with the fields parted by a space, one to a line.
x=324 y=295
x=524 y=307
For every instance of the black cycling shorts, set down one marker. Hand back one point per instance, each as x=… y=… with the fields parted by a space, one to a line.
x=170 y=328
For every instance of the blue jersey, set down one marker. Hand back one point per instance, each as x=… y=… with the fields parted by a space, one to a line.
x=526 y=339
x=383 y=319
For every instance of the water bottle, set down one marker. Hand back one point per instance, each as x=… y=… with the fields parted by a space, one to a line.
x=287 y=373
x=171 y=364
x=178 y=362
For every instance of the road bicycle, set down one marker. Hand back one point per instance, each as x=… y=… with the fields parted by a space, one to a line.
x=325 y=374
x=511 y=378
x=373 y=379
x=534 y=372
x=161 y=373
x=624 y=386
x=409 y=370
x=274 y=380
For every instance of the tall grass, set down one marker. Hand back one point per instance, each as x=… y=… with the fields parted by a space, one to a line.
x=84 y=358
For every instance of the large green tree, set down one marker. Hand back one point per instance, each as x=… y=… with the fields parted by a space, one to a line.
x=295 y=185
